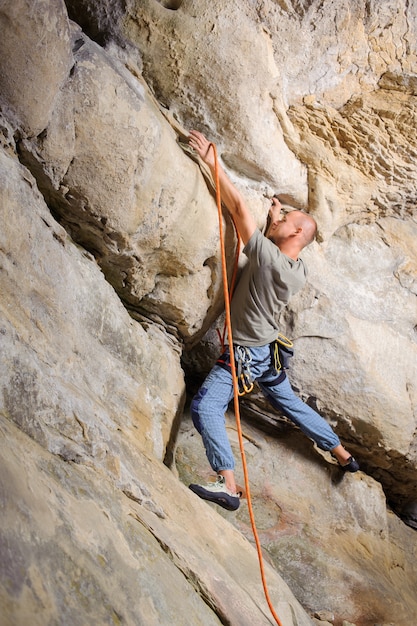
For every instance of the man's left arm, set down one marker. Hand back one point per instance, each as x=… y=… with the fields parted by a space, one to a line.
x=231 y=196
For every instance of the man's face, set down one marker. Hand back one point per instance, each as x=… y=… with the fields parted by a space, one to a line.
x=285 y=227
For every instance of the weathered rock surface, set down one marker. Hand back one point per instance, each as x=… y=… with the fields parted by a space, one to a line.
x=95 y=529
x=35 y=52
x=118 y=194
x=328 y=534
x=77 y=549
x=64 y=334
x=105 y=211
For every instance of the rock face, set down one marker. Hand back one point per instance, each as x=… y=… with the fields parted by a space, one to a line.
x=111 y=293
x=321 y=545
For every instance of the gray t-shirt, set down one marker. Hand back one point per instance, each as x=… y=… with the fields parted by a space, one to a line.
x=266 y=284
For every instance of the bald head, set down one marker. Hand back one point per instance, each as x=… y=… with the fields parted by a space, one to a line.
x=307 y=224
x=292 y=231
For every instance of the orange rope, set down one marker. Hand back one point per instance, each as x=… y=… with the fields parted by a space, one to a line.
x=222 y=335
x=236 y=388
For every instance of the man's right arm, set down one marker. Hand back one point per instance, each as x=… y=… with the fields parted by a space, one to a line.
x=231 y=197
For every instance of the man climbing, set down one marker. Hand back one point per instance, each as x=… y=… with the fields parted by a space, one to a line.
x=273 y=274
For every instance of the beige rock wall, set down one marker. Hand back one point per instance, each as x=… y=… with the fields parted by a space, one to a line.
x=104 y=211
x=116 y=191
x=323 y=110
x=78 y=549
x=77 y=371
x=35 y=49
x=329 y=535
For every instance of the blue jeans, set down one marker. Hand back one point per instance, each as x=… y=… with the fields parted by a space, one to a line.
x=209 y=405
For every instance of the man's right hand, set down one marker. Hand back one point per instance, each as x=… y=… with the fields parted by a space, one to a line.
x=275 y=210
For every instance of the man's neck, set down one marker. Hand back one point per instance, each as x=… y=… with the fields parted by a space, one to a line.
x=288 y=249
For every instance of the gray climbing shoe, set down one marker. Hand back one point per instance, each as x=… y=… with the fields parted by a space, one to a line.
x=351 y=466
x=218 y=493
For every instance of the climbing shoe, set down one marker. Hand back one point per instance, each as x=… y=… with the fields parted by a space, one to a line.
x=351 y=466
x=218 y=493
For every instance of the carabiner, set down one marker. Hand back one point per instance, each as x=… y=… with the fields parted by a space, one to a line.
x=245 y=385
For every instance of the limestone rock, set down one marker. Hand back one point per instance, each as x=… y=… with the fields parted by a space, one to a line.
x=329 y=534
x=76 y=549
x=409 y=513
x=85 y=419
x=324 y=616
x=35 y=53
x=110 y=166
x=71 y=355
x=360 y=158
x=315 y=100
x=208 y=81
x=366 y=377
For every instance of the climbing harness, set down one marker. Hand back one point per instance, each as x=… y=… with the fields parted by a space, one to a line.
x=282 y=349
x=236 y=384
x=244 y=375
x=243 y=359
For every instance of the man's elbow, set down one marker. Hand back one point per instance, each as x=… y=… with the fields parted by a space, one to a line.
x=239 y=208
